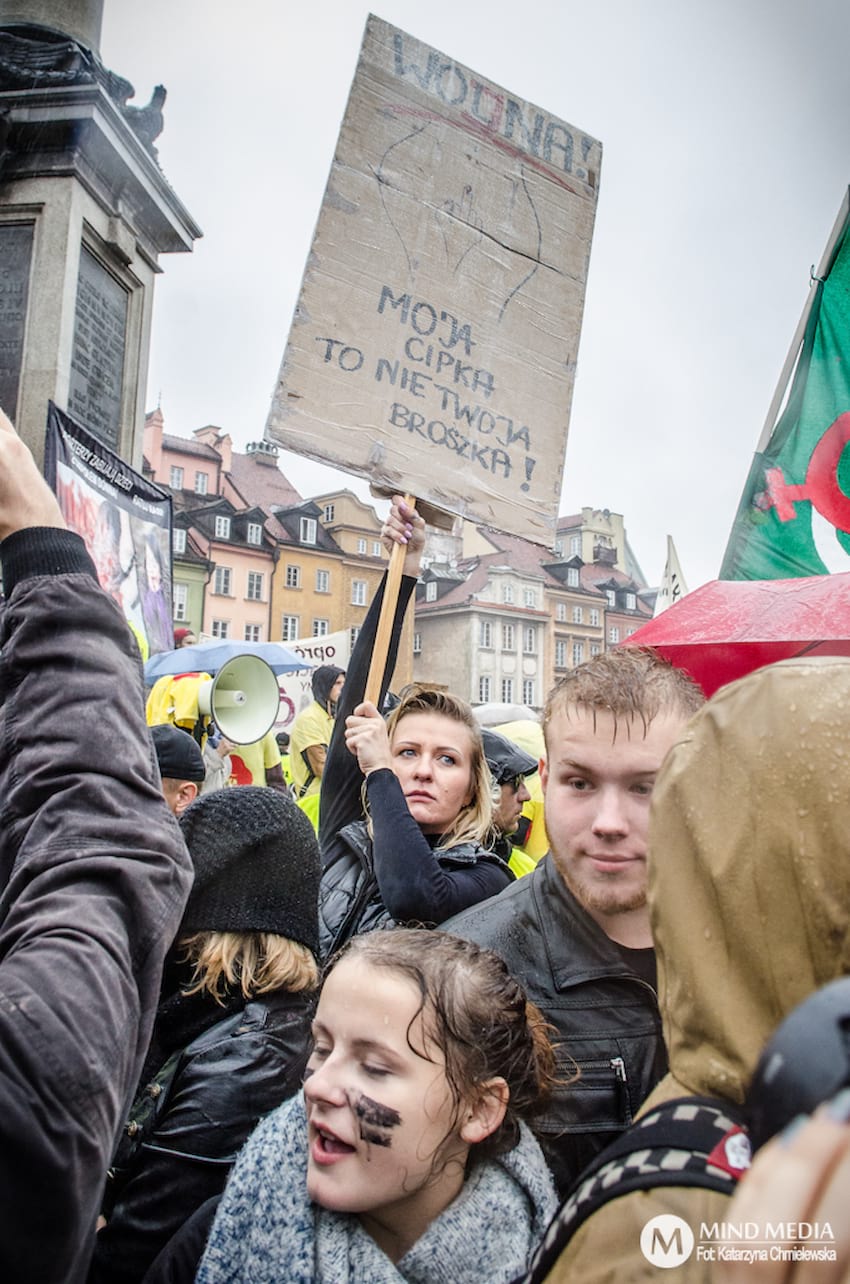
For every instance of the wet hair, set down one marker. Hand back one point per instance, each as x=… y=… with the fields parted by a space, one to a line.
x=478 y=1016
x=632 y=683
x=474 y=821
x=255 y=962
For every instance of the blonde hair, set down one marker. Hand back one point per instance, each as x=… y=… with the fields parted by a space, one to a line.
x=255 y=962
x=474 y=821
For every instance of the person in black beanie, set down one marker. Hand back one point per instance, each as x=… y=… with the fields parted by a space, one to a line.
x=231 y=1035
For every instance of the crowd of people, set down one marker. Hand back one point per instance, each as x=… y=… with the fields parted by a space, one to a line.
x=238 y=1046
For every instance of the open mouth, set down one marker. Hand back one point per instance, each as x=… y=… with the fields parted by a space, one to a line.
x=329 y=1145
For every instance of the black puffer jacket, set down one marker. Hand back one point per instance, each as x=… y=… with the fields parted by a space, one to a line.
x=189 y=1121
x=606 y=1017
x=351 y=898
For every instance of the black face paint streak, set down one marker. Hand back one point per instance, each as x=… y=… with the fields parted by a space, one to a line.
x=374 y=1118
x=374 y=1112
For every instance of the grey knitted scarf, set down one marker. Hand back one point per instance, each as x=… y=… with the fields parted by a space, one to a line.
x=267 y=1230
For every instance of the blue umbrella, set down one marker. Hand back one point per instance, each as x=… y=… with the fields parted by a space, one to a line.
x=208 y=657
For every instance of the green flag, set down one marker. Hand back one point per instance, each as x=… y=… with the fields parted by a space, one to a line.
x=794 y=515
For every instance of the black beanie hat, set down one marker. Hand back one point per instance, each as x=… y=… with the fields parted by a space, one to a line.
x=177 y=753
x=257 y=866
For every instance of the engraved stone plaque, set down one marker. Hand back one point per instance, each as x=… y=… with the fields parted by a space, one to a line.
x=97 y=358
x=15 y=253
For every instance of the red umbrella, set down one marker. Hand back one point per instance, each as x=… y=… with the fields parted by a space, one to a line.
x=729 y=627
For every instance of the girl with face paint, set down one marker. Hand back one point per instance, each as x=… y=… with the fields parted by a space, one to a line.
x=408 y=1156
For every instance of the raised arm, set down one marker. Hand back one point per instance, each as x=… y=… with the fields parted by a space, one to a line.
x=93 y=878
x=342 y=778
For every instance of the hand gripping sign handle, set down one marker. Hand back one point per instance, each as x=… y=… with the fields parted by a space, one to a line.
x=385 y=620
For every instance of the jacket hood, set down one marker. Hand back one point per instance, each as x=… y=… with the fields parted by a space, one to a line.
x=749 y=879
x=322 y=680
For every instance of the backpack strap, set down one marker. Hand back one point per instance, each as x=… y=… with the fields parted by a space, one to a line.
x=692 y=1141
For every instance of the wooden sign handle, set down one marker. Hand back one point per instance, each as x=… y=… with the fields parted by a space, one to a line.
x=385 y=620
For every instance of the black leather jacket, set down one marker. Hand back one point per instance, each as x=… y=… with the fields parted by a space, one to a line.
x=187 y=1125
x=605 y=1014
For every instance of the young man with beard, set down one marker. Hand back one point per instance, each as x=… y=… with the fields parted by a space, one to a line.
x=575 y=932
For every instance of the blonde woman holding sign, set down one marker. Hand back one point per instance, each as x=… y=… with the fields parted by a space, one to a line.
x=417 y=855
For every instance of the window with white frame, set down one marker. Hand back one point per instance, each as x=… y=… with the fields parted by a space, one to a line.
x=578 y=652
x=222 y=581
x=507 y=690
x=507 y=593
x=508 y=637
x=595 y=649
x=529 y=641
x=221 y=628
x=358 y=592
x=594 y=617
x=202 y=482
x=614 y=633
x=561 y=612
x=528 y=691
x=307 y=530
x=323 y=581
x=631 y=602
x=328 y=513
x=611 y=596
x=417 y=644
x=431 y=591
x=529 y=597
x=255 y=533
x=629 y=632
x=178 y=539
x=293 y=576
x=253 y=632
x=361 y=546
x=353 y=635
x=485 y=687
x=559 y=548
x=179 y=597
x=578 y=615
x=175 y=477
x=256 y=586
x=575 y=546
x=222 y=527
x=321 y=627
x=560 y=654
x=572 y=576
x=485 y=633
x=289 y=626
x=377 y=548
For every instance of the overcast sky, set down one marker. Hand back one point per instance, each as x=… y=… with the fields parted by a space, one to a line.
x=726 y=154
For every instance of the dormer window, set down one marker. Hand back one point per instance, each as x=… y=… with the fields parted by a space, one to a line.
x=631 y=602
x=307 y=532
x=612 y=597
x=178 y=540
x=431 y=591
x=222 y=528
x=572 y=576
x=255 y=533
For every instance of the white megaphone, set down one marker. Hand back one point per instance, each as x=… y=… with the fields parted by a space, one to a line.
x=242 y=699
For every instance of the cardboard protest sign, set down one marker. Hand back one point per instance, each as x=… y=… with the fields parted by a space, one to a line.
x=433 y=347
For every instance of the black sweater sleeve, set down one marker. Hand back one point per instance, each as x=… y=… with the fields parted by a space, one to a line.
x=413 y=884
x=342 y=778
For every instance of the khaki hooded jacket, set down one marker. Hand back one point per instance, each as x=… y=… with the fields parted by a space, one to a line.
x=749 y=887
